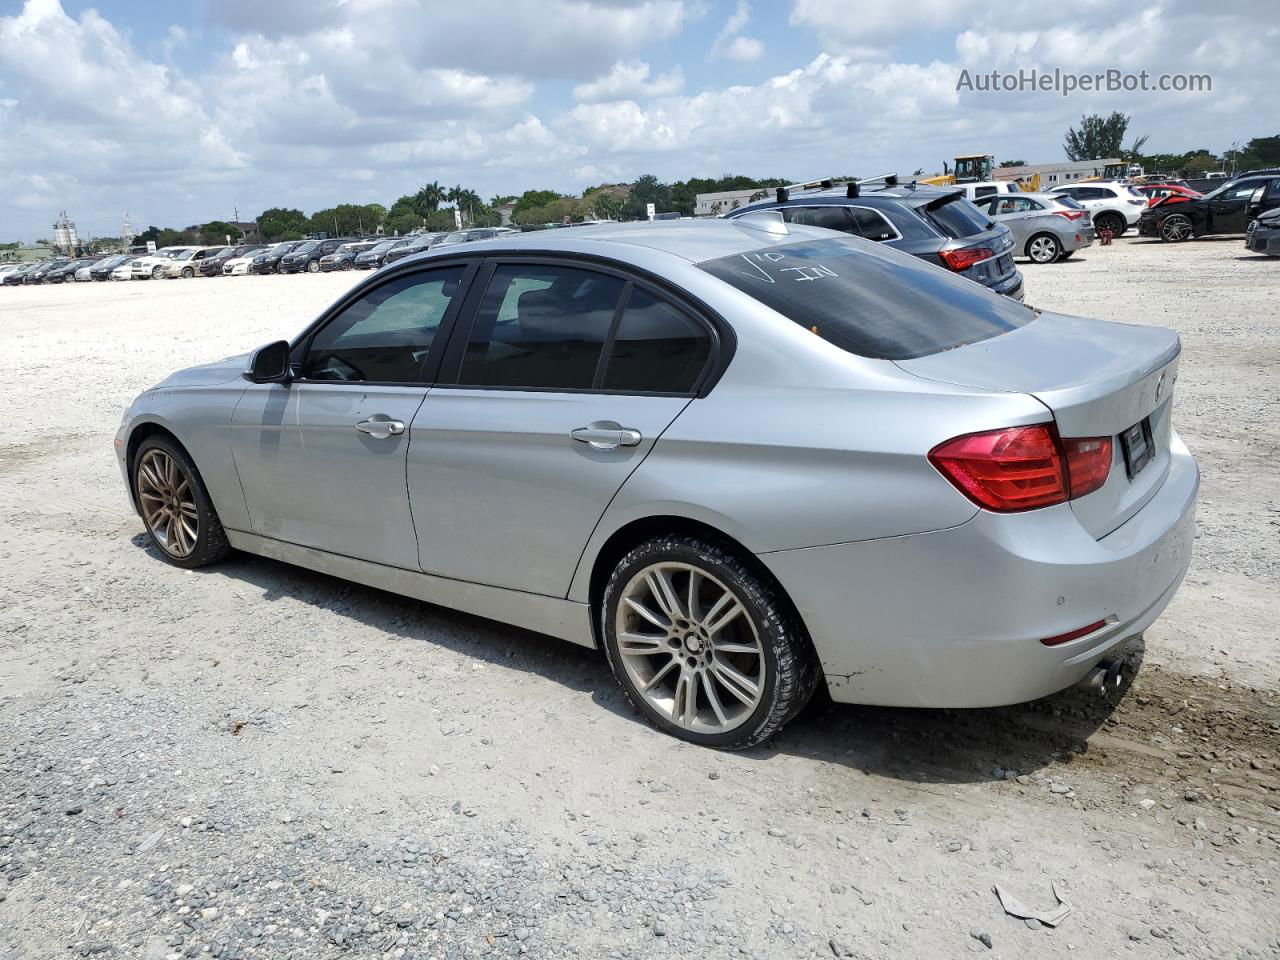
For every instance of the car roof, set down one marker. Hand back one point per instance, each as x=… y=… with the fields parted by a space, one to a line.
x=691 y=240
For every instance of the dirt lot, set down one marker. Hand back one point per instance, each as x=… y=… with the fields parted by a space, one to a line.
x=258 y=761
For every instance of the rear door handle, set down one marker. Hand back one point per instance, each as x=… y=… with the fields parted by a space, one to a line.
x=381 y=426
x=606 y=435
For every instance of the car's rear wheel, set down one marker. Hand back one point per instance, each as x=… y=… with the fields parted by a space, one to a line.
x=1044 y=248
x=313 y=266
x=1066 y=255
x=1175 y=228
x=1110 y=221
x=706 y=647
x=175 y=505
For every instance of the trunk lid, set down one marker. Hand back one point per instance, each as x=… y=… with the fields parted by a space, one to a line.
x=1097 y=379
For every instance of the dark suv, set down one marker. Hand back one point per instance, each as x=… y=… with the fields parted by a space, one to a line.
x=268 y=260
x=1227 y=209
x=306 y=255
x=936 y=224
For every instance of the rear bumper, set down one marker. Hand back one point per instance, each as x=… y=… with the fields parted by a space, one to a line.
x=1010 y=286
x=954 y=618
x=1263 y=241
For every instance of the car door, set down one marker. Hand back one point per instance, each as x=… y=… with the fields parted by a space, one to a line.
x=1227 y=211
x=322 y=459
x=564 y=376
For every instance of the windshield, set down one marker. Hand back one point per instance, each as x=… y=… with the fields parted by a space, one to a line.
x=870 y=300
x=306 y=247
x=458 y=236
x=384 y=246
x=184 y=255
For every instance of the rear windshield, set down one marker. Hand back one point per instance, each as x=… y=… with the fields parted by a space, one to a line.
x=870 y=300
x=958 y=218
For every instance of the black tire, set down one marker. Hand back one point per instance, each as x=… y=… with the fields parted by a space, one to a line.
x=1050 y=246
x=187 y=273
x=157 y=272
x=1111 y=221
x=313 y=266
x=1176 y=228
x=211 y=543
x=346 y=264
x=792 y=671
x=1066 y=255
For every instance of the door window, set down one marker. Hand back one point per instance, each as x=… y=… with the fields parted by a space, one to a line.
x=984 y=191
x=384 y=336
x=873 y=224
x=657 y=349
x=542 y=327
x=833 y=218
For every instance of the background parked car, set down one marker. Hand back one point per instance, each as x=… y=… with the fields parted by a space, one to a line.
x=1224 y=210
x=152 y=266
x=936 y=224
x=1263 y=234
x=416 y=244
x=185 y=264
x=344 y=258
x=474 y=233
x=43 y=269
x=1155 y=192
x=1113 y=206
x=268 y=261
x=102 y=269
x=988 y=188
x=374 y=257
x=212 y=266
x=1045 y=226
x=82 y=272
x=306 y=255
x=124 y=270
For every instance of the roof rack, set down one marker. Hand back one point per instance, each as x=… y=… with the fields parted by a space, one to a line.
x=827 y=183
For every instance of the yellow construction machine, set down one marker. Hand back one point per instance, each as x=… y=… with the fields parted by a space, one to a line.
x=976 y=168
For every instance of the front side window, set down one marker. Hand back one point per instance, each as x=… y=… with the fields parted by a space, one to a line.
x=870 y=301
x=384 y=337
x=541 y=326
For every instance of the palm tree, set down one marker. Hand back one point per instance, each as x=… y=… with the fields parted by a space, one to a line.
x=428 y=199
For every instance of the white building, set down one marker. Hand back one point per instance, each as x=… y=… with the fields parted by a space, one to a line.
x=718 y=204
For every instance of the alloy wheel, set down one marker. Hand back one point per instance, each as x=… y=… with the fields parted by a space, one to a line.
x=168 y=503
x=690 y=647
x=1175 y=228
x=1043 y=250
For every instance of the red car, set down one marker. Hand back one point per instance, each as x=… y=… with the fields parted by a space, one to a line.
x=1155 y=192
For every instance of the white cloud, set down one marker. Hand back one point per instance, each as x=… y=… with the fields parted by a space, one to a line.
x=731 y=44
x=629 y=80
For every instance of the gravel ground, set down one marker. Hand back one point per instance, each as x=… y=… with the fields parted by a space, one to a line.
x=257 y=761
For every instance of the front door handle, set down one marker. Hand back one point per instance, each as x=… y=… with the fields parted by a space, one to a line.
x=381 y=426
x=606 y=435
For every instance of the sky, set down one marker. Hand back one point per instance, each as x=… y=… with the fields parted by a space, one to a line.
x=186 y=112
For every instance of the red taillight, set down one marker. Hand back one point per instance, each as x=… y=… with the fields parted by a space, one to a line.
x=1021 y=468
x=1074 y=634
x=1070 y=214
x=966 y=257
x=1088 y=463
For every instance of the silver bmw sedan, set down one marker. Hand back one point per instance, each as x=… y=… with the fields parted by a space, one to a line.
x=744 y=458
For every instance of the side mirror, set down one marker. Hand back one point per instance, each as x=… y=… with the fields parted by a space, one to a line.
x=269 y=364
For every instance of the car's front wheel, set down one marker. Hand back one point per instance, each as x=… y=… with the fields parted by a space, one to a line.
x=313 y=266
x=1176 y=228
x=157 y=272
x=175 y=505
x=704 y=645
x=1044 y=248
x=187 y=273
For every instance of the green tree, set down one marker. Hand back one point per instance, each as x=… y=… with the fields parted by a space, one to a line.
x=1258 y=153
x=282 y=223
x=428 y=199
x=1100 y=137
x=1006 y=163
x=217 y=231
x=399 y=223
x=502 y=200
x=441 y=220
x=529 y=200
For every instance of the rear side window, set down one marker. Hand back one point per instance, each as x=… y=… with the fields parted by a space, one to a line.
x=984 y=191
x=958 y=218
x=870 y=300
x=832 y=218
x=872 y=224
x=541 y=327
x=657 y=349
